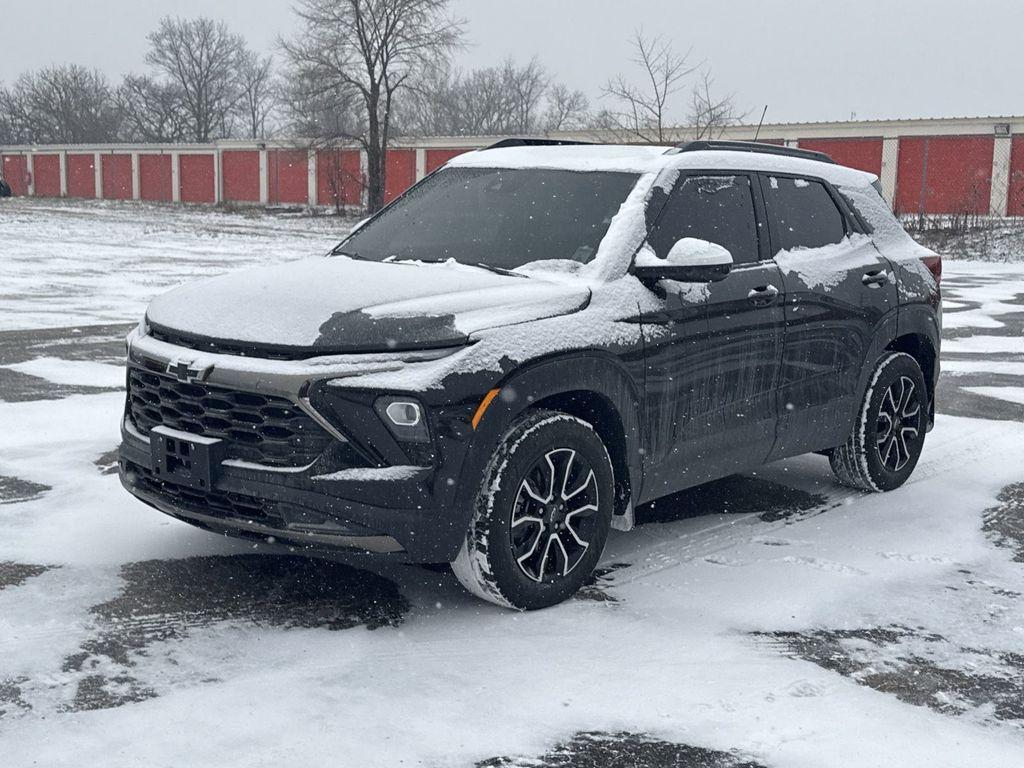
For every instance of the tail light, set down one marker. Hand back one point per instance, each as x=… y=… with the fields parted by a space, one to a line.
x=934 y=264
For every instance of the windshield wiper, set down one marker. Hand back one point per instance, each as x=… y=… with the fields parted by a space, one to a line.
x=499 y=270
x=480 y=264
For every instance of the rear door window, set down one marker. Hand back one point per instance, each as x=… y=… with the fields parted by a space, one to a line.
x=719 y=209
x=803 y=213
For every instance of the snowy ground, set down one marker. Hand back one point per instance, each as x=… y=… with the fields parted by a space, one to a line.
x=769 y=619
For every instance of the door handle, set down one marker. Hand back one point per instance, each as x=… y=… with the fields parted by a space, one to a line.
x=763 y=295
x=875 y=278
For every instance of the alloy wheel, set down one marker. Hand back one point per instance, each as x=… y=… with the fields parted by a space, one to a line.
x=899 y=423
x=554 y=515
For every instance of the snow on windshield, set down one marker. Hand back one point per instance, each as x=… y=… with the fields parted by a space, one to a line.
x=504 y=218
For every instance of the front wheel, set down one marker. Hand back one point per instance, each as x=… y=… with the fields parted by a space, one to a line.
x=888 y=436
x=541 y=516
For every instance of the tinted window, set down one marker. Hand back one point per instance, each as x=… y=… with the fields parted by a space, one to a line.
x=503 y=218
x=804 y=213
x=719 y=209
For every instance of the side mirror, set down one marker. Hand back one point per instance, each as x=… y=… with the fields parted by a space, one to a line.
x=690 y=261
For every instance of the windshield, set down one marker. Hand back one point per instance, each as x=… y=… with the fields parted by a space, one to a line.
x=496 y=217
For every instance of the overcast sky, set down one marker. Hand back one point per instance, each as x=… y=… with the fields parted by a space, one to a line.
x=807 y=59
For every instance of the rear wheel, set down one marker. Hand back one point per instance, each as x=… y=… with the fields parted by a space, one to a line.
x=541 y=516
x=888 y=436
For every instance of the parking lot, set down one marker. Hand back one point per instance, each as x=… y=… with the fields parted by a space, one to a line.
x=768 y=619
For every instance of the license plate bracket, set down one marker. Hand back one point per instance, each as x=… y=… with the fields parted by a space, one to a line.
x=185 y=459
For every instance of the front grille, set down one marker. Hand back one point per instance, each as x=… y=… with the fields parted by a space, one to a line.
x=260 y=428
x=214 y=503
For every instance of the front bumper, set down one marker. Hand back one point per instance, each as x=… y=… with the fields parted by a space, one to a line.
x=409 y=516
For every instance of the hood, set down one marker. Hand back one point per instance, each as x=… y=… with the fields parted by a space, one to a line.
x=336 y=305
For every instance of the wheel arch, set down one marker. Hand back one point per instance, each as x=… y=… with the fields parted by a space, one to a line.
x=600 y=412
x=592 y=385
x=920 y=347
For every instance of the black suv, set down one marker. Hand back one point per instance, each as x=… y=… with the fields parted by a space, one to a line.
x=499 y=366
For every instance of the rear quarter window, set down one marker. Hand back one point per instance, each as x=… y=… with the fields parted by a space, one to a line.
x=803 y=213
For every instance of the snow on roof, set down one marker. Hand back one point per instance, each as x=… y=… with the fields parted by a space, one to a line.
x=646 y=159
x=570 y=157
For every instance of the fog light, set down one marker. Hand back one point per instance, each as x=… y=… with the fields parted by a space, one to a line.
x=403 y=413
x=404 y=418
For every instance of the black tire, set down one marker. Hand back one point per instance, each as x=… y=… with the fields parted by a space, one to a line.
x=501 y=560
x=888 y=435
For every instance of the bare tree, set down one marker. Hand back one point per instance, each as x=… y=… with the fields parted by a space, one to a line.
x=567 y=110
x=709 y=115
x=502 y=100
x=8 y=133
x=526 y=87
x=65 y=104
x=202 y=58
x=258 y=93
x=373 y=48
x=153 y=111
x=643 y=111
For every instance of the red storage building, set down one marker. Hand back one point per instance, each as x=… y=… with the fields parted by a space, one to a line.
x=862 y=154
x=81 y=170
x=339 y=177
x=46 y=173
x=438 y=157
x=155 y=178
x=400 y=174
x=287 y=176
x=14 y=169
x=196 y=179
x=240 y=172
x=944 y=174
x=117 y=176
x=1015 y=201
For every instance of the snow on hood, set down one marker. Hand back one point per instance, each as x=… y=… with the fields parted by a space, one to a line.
x=337 y=304
x=604 y=323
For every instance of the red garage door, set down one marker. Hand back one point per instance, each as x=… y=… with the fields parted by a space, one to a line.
x=241 y=171
x=862 y=154
x=196 y=179
x=81 y=175
x=288 y=175
x=1015 y=205
x=438 y=157
x=401 y=172
x=14 y=169
x=117 y=177
x=339 y=177
x=46 y=170
x=944 y=174
x=155 y=177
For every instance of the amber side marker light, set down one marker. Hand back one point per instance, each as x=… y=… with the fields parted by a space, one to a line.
x=484 y=404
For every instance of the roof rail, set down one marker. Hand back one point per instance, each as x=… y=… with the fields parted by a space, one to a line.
x=532 y=142
x=751 y=146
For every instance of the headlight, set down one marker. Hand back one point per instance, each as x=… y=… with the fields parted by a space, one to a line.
x=135 y=333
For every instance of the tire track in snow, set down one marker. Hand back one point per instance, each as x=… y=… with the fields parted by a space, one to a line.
x=948 y=454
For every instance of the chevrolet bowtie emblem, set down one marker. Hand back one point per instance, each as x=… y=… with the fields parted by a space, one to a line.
x=188 y=371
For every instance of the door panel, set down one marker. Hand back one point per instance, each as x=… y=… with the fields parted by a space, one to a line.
x=836 y=296
x=746 y=323
x=679 y=383
x=713 y=352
